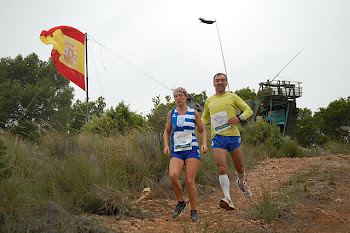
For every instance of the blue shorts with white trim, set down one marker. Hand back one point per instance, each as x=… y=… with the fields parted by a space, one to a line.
x=183 y=155
x=228 y=143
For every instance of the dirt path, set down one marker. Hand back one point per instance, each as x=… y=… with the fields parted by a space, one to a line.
x=326 y=207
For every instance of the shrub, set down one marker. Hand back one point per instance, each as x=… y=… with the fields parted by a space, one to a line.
x=334 y=147
x=261 y=132
x=5 y=167
x=266 y=208
x=48 y=217
x=57 y=145
x=264 y=136
x=26 y=129
x=271 y=149
x=290 y=148
x=158 y=117
x=115 y=121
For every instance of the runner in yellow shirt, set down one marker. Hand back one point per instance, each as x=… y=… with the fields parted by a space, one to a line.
x=221 y=107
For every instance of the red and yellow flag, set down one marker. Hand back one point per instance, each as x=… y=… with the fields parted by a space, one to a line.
x=68 y=52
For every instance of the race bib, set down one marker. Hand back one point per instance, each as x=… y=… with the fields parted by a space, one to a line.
x=220 y=122
x=182 y=141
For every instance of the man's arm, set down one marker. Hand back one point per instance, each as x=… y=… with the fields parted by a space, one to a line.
x=205 y=114
x=243 y=106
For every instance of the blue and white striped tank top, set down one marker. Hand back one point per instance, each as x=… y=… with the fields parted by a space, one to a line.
x=184 y=122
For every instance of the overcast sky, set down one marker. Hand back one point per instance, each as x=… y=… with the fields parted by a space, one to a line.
x=165 y=41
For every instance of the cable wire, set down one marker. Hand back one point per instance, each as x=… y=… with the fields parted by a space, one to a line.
x=98 y=77
x=93 y=40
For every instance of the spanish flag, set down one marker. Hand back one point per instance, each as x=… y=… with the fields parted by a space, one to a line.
x=68 y=52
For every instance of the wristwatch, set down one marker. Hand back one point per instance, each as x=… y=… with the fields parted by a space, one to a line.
x=240 y=118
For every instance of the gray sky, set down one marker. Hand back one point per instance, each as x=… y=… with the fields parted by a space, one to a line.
x=165 y=40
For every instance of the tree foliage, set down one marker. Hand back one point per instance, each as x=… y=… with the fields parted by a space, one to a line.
x=197 y=99
x=32 y=95
x=325 y=124
x=307 y=132
x=79 y=113
x=157 y=118
x=330 y=119
x=246 y=93
x=115 y=120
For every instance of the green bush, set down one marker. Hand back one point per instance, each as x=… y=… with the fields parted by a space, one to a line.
x=334 y=147
x=48 y=217
x=253 y=154
x=261 y=132
x=95 y=175
x=271 y=149
x=116 y=121
x=266 y=208
x=58 y=145
x=5 y=167
x=26 y=129
x=102 y=174
x=158 y=117
x=265 y=137
x=290 y=148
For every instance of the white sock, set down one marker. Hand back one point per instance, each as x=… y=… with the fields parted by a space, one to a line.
x=225 y=185
x=241 y=177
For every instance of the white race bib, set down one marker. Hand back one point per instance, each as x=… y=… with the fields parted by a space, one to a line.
x=220 y=122
x=182 y=141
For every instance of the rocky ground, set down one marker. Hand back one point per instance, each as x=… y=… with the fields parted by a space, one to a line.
x=324 y=205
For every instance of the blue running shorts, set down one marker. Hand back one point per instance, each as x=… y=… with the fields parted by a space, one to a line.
x=183 y=155
x=228 y=143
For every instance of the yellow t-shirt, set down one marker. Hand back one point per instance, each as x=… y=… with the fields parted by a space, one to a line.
x=228 y=102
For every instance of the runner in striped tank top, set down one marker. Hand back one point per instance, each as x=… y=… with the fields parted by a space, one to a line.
x=182 y=121
x=182 y=124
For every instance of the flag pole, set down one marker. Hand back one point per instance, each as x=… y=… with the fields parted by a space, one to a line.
x=87 y=78
x=222 y=51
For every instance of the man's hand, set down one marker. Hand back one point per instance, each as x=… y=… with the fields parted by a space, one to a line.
x=233 y=120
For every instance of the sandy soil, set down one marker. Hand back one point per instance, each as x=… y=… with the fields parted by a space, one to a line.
x=325 y=206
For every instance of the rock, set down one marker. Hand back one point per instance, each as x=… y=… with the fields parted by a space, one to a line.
x=145 y=194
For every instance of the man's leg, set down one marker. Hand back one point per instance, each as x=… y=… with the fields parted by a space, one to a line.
x=220 y=156
x=237 y=158
x=191 y=167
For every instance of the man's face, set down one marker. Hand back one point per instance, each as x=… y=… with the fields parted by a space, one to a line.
x=220 y=83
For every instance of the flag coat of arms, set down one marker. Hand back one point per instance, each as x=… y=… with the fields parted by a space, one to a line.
x=68 y=52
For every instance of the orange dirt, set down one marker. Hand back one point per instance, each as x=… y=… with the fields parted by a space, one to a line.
x=326 y=207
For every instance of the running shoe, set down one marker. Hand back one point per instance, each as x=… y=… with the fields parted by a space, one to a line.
x=226 y=204
x=194 y=216
x=180 y=208
x=245 y=189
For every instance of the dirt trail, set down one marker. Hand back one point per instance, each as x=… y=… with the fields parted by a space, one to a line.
x=327 y=208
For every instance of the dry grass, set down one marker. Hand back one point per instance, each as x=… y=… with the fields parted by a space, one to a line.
x=88 y=173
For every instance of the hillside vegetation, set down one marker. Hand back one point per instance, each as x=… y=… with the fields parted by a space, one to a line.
x=61 y=161
x=52 y=184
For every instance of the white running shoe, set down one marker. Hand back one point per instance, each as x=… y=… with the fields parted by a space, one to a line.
x=226 y=204
x=245 y=189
